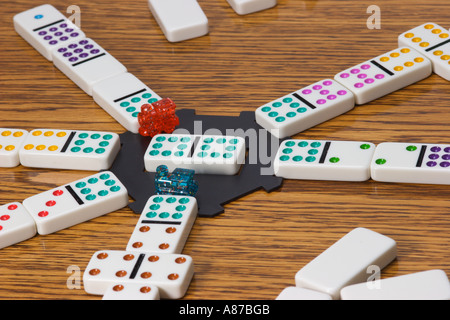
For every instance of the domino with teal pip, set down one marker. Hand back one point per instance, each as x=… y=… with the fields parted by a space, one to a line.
x=72 y=150
x=86 y=63
x=411 y=163
x=433 y=41
x=122 y=97
x=76 y=202
x=205 y=154
x=11 y=141
x=324 y=160
x=164 y=224
x=305 y=108
x=171 y=273
x=45 y=29
x=385 y=74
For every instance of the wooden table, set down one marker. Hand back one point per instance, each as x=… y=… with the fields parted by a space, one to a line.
x=253 y=249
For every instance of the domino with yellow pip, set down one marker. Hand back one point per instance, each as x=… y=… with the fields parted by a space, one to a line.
x=433 y=41
x=69 y=149
x=385 y=74
x=10 y=142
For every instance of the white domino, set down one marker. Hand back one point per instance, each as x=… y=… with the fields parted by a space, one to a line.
x=305 y=108
x=179 y=20
x=243 y=7
x=164 y=224
x=76 y=202
x=433 y=41
x=385 y=74
x=11 y=141
x=411 y=163
x=425 y=285
x=347 y=261
x=45 y=29
x=16 y=224
x=86 y=63
x=131 y=291
x=296 y=293
x=206 y=154
x=69 y=149
x=324 y=160
x=171 y=273
x=122 y=97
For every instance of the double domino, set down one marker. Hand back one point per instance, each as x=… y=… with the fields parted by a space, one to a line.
x=433 y=41
x=16 y=224
x=206 y=154
x=170 y=273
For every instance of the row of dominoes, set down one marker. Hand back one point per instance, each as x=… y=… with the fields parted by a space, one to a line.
x=151 y=266
x=350 y=270
x=86 y=63
x=360 y=161
x=422 y=50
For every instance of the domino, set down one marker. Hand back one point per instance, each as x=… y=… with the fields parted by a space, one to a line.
x=76 y=202
x=305 y=108
x=411 y=163
x=122 y=97
x=16 y=224
x=45 y=29
x=164 y=224
x=206 y=154
x=425 y=285
x=385 y=74
x=86 y=63
x=179 y=20
x=324 y=160
x=131 y=291
x=346 y=262
x=11 y=141
x=66 y=149
x=171 y=273
x=243 y=7
x=295 y=293
x=432 y=41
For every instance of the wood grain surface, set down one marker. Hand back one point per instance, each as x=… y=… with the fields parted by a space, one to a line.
x=252 y=250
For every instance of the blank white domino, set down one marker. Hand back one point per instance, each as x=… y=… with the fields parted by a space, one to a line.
x=122 y=97
x=11 y=141
x=66 y=149
x=86 y=63
x=433 y=41
x=243 y=7
x=171 y=273
x=425 y=285
x=206 y=154
x=305 y=108
x=411 y=163
x=76 y=202
x=179 y=20
x=385 y=74
x=296 y=293
x=324 y=160
x=131 y=291
x=346 y=262
x=45 y=29
x=164 y=224
x=16 y=224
